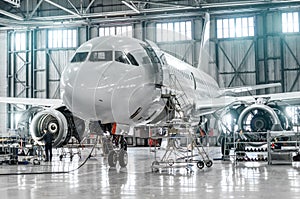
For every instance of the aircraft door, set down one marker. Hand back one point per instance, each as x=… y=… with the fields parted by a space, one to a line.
x=193 y=77
x=154 y=53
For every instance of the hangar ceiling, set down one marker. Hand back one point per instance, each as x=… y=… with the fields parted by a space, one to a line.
x=37 y=13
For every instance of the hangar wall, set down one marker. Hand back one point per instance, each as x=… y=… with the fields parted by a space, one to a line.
x=3 y=64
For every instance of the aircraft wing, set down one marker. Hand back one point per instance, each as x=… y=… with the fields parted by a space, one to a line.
x=248 y=88
x=31 y=101
x=290 y=98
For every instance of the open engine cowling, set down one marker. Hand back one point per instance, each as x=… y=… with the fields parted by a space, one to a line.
x=60 y=122
x=258 y=118
x=250 y=119
x=55 y=122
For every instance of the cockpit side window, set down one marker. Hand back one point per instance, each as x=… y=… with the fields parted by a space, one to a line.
x=132 y=59
x=79 y=57
x=97 y=56
x=121 y=57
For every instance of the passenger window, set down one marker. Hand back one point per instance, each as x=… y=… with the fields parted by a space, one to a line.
x=121 y=57
x=101 y=56
x=79 y=57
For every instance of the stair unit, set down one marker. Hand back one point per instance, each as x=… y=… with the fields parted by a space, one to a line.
x=179 y=129
x=272 y=147
x=177 y=101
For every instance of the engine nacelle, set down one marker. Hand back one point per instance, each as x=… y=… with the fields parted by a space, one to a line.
x=258 y=118
x=55 y=122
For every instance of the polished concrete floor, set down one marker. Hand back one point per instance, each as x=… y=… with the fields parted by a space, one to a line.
x=96 y=180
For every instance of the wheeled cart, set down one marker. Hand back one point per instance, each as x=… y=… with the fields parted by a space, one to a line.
x=181 y=156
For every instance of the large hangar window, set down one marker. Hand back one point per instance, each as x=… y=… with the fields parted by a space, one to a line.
x=18 y=41
x=62 y=38
x=235 y=27
x=174 y=31
x=290 y=22
x=116 y=30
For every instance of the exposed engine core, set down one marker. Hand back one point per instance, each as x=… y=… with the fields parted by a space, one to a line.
x=258 y=117
x=262 y=116
x=60 y=122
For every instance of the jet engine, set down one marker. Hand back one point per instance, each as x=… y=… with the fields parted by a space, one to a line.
x=261 y=116
x=257 y=117
x=58 y=121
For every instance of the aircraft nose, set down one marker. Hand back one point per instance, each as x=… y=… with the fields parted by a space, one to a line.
x=78 y=85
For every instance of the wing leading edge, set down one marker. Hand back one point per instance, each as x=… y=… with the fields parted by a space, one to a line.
x=248 y=88
x=31 y=101
x=290 y=98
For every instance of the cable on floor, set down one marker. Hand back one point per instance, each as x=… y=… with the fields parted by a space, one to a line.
x=55 y=172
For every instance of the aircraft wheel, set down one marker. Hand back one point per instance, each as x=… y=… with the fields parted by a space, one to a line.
x=171 y=162
x=200 y=164
x=155 y=163
x=112 y=158
x=209 y=163
x=36 y=162
x=123 y=158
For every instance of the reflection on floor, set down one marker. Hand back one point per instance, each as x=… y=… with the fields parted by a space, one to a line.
x=96 y=180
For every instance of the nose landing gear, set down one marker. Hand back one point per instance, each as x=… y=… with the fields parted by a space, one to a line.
x=118 y=152
x=118 y=155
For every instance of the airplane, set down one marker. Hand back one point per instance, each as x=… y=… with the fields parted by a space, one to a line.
x=130 y=82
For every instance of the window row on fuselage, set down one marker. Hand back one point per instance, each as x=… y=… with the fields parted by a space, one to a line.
x=190 y=76
x=176 y=71
x=206 y=83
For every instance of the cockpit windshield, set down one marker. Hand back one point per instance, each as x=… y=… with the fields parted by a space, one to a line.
x=79 y=57
x=97 y=56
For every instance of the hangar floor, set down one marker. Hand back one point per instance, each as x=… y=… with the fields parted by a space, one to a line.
x=96 y=180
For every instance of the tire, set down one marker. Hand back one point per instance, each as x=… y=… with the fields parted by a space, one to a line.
x=36 y=162
x=171 y=162
x=200 y=164
x=112 y=158
x=155 y=163
x=209 y=163
x=123 y=158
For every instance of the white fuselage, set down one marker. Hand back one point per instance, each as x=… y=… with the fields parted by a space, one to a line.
x=120 y=79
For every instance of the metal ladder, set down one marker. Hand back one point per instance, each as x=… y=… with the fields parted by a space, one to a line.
x=177 y=100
